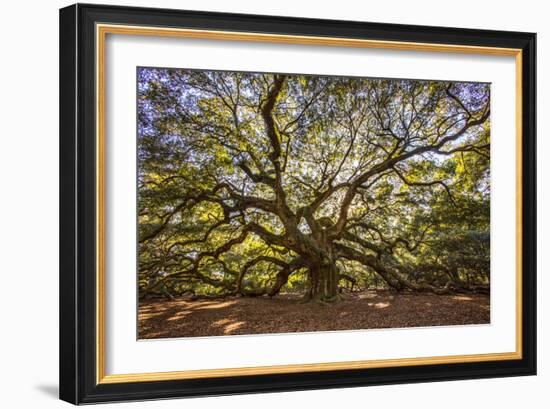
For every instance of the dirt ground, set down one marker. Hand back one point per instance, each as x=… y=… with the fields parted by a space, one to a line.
x=285 y=313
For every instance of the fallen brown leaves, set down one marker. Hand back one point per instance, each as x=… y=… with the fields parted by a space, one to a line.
x=370 y=309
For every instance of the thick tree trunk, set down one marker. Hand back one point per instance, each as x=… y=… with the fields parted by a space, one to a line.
x=323 y=282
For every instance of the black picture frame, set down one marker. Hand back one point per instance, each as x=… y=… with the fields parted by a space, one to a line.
x=78 y=236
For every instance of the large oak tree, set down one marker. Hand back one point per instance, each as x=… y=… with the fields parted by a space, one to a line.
x=246 y=179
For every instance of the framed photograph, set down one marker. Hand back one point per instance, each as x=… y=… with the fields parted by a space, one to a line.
x=257 y=203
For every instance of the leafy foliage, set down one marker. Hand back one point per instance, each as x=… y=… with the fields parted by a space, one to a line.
x=256 y=183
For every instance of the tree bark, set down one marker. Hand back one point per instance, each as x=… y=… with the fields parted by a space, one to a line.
x=323 y=281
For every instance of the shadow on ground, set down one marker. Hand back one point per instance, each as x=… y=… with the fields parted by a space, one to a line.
x=282 y=314
x=51 y=391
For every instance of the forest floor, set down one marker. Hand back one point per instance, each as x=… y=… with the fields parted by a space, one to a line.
x=184 y=317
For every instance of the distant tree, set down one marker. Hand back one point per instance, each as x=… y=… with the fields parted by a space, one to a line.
x=248 y=179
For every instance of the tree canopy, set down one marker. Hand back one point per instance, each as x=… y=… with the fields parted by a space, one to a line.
x=253 y=184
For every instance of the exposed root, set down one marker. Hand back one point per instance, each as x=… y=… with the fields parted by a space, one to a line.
x=321 y=300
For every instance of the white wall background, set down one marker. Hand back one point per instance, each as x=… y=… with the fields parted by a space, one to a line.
x=29 y=202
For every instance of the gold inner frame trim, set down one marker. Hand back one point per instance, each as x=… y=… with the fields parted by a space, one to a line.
x=101 y=33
